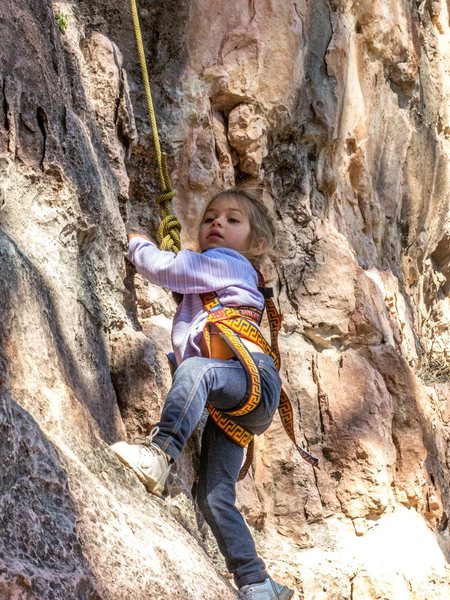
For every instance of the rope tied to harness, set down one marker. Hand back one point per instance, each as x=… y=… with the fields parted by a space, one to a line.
x=169 y=229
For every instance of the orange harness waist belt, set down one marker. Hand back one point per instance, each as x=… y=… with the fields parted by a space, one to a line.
x=223 y=333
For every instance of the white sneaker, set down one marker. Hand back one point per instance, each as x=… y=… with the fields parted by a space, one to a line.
x=149 y=462
x=267 y=590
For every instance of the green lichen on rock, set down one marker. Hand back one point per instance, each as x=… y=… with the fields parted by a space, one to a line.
x=62 y=20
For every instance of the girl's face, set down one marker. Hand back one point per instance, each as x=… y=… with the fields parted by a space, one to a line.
x=225 y=224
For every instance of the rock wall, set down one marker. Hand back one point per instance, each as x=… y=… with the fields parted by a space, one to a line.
x=341 y=109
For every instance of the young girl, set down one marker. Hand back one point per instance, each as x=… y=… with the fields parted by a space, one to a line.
x=235 y=233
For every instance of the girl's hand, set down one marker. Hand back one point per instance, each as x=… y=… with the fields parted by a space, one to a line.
x=133 y=234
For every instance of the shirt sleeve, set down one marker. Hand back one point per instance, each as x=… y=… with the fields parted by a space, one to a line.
x=189 y=272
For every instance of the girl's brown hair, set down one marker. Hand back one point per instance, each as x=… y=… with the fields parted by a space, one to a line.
x=262 y=225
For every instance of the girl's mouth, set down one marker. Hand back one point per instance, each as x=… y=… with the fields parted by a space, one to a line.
x=214 y=234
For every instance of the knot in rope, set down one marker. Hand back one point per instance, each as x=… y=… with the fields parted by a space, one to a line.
x=169 y=227
x=169 y=233
x=165 y=198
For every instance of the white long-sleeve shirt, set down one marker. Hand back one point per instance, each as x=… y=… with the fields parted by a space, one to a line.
x=222 y=270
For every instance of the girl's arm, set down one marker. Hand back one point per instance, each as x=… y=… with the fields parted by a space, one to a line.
x=189 y=272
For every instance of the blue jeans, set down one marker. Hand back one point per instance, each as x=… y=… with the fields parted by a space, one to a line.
x=223 y=384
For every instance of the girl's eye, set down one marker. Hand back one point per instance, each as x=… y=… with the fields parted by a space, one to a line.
x=233 y=220
x=208 y=220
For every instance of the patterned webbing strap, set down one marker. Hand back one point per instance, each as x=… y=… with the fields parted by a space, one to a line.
x=285 y=407
x=232 y=324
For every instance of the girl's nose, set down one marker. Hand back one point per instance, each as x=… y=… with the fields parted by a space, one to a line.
x=217 y=221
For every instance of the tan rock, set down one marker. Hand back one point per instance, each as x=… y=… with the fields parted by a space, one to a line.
x=246 y=134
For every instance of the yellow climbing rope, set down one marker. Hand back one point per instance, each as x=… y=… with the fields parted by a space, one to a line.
x=169 y=227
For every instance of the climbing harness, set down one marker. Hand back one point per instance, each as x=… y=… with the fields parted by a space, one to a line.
x=169 y=227
x=224 y=328
x=225 y=325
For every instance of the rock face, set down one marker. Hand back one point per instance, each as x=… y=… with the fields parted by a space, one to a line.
x=340 y=108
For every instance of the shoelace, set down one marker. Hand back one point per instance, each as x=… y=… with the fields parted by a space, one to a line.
x=146 y=440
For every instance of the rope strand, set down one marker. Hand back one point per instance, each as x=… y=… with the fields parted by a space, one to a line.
x=169 y=228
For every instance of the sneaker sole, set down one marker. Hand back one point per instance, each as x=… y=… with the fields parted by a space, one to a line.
x=284 y=594
x=151 y=485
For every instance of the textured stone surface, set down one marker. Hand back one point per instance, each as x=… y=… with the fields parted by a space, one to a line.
x=341 y=108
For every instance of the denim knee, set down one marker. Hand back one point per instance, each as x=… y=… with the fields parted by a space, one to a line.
x=190 y=367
